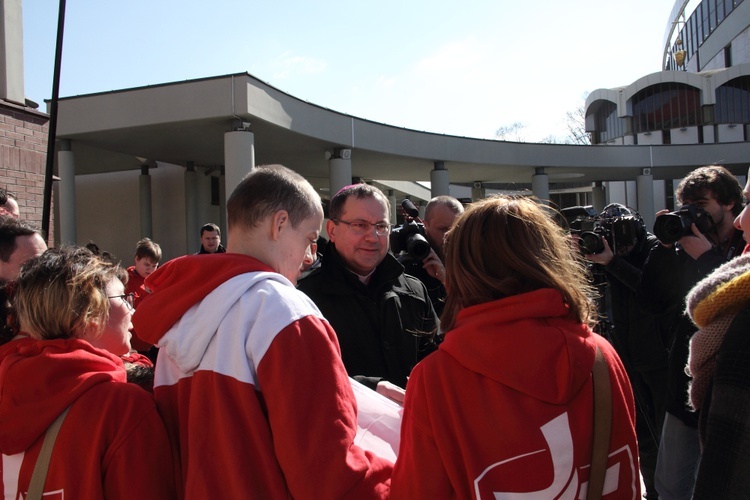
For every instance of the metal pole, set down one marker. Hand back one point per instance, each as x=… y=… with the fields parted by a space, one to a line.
x=52 y=135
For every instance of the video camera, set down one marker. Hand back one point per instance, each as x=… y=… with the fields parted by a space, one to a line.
x=672 y=226
x=410 y=236
x=620 y=226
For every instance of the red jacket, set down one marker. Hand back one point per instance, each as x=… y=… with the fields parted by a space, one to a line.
x=505 y=406
x=135 y=286
x=251 y=384
x=112 y=443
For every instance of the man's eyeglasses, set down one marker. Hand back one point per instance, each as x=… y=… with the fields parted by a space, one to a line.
x=128 y=298
x=360 y=227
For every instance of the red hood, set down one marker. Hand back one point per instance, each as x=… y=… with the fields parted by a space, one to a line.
x=183 y=282
x=40 y=378
x=526 y=342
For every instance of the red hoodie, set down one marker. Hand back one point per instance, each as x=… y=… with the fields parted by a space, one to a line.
x=251 y=385
x=504 y=408
x=112 y=443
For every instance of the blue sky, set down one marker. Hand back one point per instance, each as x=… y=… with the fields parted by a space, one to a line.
x=461 y=68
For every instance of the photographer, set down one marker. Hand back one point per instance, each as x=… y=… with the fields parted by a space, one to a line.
x=439 y=216
x=672 y=268
x=639 y=338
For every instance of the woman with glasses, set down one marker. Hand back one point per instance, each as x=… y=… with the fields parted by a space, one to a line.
x=506 y=406
x=65 y=367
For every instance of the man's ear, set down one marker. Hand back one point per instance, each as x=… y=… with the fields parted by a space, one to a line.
x=331 y=230
x=279 y=221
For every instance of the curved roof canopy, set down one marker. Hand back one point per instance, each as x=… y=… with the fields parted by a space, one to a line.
x=186 y=121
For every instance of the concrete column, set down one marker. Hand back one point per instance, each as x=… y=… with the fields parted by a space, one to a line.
x=439 y=180
x=239 y=157
x=598 y=197
x=339 y=173
x=144 y=180
x=644 y=184
x=192 y=224
x=11 y=46
x=477 y=191
x=223 y=207
x=393 y=203
x=540 y=185
x=67 y=193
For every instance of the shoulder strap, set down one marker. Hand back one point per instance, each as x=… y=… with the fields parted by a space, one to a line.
x=39 y=476
x=602 y=426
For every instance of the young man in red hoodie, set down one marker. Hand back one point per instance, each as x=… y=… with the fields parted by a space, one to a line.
x=250 y=379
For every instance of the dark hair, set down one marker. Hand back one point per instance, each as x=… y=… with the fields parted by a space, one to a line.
x=5 y=195
x=207 y=227
x=716 y=179
x=268 y=189
x=359 y=191
x=10 y=229
x=146 y=248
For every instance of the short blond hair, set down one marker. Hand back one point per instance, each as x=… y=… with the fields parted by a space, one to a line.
x=63 y=292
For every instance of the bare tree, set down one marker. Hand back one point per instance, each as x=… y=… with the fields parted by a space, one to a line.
x=575 y=122
x=510 y=132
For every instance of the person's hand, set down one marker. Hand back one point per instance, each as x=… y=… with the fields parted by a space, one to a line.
x=391 y=391
x=604 y=257
x=695 y=244
x=434 y=266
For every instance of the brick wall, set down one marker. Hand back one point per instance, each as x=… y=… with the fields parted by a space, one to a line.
x=23 y=153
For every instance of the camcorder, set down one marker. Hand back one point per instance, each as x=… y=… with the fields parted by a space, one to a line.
x=670 y=227
x=410 y=236
x=619 y=230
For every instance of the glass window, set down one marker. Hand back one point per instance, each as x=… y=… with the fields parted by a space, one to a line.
x=607 y=124
x=666 y=106
x=699 y=24
x=711 y=9
x=733 y=101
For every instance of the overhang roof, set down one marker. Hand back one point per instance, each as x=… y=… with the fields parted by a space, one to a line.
x=186 y=121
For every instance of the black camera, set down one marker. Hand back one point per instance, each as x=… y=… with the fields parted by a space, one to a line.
x=410 y=238
x=620 y=226
x=670 y=227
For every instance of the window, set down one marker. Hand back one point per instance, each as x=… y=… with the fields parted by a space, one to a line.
x=607 y=124
x=666 y=106
x=733 y=101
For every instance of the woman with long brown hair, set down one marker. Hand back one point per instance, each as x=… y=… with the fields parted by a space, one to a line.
x=506 y=405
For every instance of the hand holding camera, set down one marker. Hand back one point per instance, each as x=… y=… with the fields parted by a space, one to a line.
x=686 y=226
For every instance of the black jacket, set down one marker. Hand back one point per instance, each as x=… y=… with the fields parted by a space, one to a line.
x=383 y=328
x=668 y=275
x=641 y=338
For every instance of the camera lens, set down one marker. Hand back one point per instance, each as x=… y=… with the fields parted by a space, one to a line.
x=669 y=228
x=590 y=243
x=417 y=246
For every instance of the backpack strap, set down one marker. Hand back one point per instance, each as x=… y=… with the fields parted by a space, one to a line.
x=602 y=426
x=39 y=476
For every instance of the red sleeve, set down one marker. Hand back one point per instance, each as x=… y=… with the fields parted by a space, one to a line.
x=419 y=472
x=141 y=466
x=313 y=417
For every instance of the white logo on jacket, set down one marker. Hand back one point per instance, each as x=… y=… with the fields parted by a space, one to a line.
x=566 y=483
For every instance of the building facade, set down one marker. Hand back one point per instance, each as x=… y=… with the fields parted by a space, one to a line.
x=703 y=94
